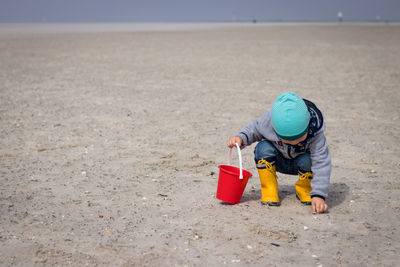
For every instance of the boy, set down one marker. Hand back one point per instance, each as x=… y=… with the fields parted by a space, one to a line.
x=291 y=142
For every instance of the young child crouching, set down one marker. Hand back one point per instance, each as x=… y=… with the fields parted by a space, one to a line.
x=291 y=141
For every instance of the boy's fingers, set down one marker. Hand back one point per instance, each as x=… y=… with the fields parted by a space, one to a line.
x=319 y=208
x=230 y=142
x=325 y=208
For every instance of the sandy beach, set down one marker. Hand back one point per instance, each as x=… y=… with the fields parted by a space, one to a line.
x=110 y=144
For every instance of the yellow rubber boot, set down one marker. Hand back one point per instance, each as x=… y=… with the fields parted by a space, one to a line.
x=303 y=188
x=269 y=184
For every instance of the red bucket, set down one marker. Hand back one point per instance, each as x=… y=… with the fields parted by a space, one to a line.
x=232 y=181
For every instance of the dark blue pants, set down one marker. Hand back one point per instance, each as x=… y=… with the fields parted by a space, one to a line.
x=266 y=150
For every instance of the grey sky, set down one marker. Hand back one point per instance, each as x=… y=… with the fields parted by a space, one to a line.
x=196 y=10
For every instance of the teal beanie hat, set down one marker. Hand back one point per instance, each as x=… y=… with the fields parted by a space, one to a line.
x=290 y=116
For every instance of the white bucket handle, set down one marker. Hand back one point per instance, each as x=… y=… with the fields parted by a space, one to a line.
x=240 y=160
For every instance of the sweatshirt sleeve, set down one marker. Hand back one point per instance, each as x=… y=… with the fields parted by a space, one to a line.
x=320 y=166
x=252 y=132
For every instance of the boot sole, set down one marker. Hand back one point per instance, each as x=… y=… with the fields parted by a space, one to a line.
x=275 y=204
x=303 y=202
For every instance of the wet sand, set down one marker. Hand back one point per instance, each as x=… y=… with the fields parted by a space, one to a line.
x=110 y=142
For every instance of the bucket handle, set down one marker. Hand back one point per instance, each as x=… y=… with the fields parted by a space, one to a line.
x=240 y=159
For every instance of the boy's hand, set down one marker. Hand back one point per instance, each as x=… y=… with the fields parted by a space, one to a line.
x=233 y=140
x=318 y=205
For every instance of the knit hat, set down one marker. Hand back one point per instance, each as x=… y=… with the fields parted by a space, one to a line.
x=290 y=116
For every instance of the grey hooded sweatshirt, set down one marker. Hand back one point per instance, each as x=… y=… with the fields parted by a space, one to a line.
x=315 y=144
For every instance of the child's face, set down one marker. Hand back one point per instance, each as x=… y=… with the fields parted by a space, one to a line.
x=295 y=142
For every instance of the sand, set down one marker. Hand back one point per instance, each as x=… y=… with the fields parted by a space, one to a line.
x=110 y=142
